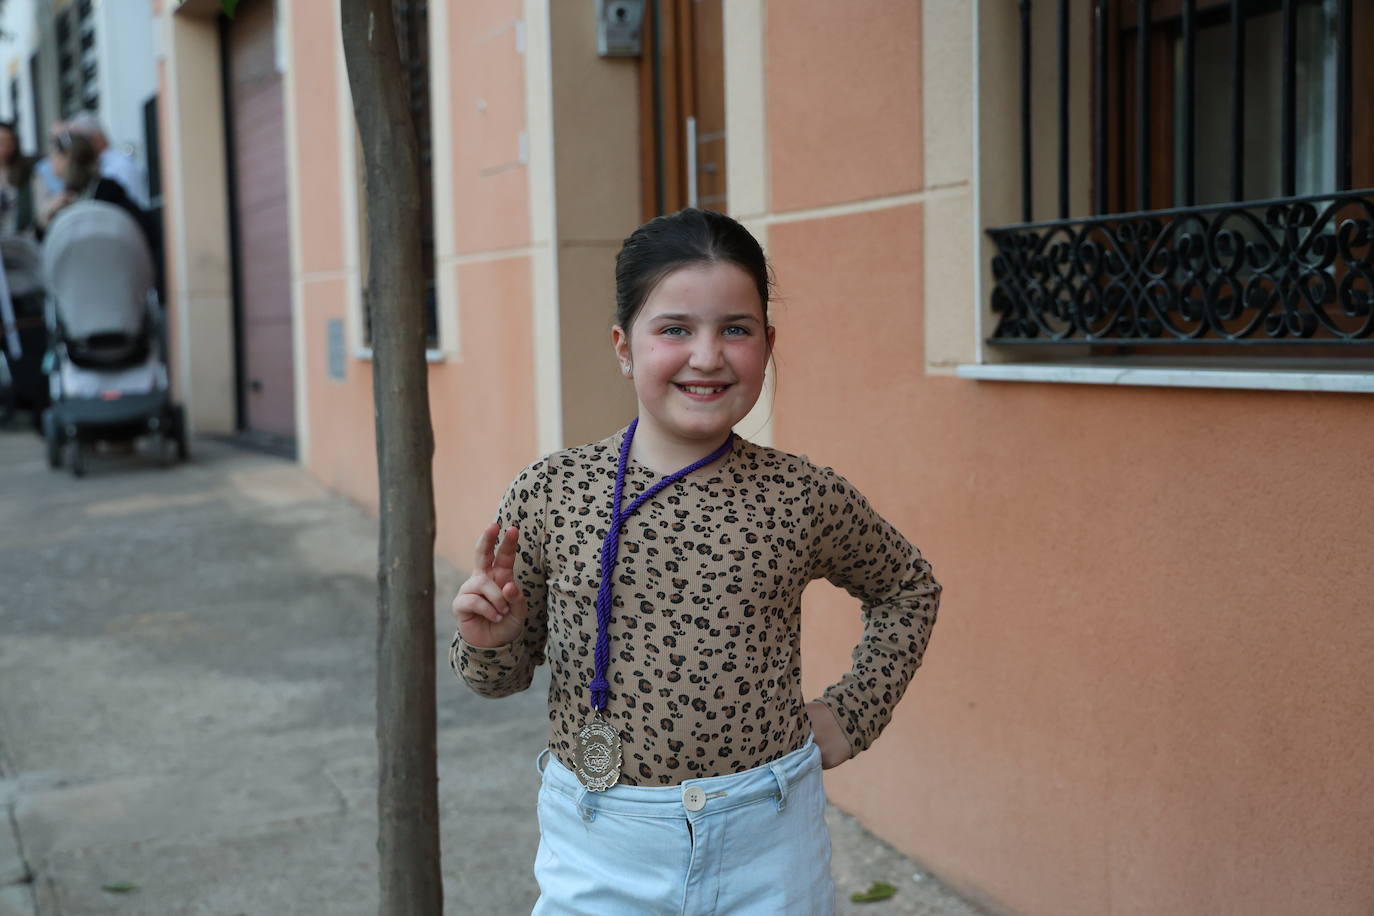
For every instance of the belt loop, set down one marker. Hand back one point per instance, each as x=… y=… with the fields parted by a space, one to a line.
x=541 y=762
x=587 y=811
x=782 y=784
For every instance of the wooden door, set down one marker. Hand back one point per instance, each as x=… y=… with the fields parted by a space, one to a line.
x=262 y=257
x=682 y=107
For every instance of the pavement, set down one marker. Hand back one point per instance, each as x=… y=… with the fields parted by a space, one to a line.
x=186 y=706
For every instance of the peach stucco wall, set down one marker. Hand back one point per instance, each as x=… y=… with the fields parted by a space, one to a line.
x=481 y=392
x=343 y=452
x=483 y=405
x=878 y=153
x=487 y=100
x=1147 y=691
x=317 y=133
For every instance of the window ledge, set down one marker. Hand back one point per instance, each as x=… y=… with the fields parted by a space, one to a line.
x=1275 y=379
x=431 y=355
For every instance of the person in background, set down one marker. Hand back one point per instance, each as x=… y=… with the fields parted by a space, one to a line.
x=46 y=181
x=114 y=163
x=17 y=200
x=76 y=161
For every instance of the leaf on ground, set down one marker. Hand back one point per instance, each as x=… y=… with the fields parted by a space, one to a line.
x=879 y=890
x=119 y=887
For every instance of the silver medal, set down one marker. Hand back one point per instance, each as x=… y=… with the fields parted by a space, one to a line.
x=598 y=755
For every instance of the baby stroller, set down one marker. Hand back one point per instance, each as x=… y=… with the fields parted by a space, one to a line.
x=23 y=334
x=107 y=369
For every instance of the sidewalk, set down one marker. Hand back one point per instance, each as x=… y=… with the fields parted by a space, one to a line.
x=186 y=680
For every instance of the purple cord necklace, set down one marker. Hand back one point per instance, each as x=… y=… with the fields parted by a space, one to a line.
x=598 y=744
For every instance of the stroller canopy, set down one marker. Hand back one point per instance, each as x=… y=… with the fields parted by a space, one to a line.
x=98 y=269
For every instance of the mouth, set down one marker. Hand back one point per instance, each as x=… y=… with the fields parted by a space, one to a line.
x=702 y=392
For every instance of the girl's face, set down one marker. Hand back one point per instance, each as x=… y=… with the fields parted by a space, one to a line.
x=697 y=351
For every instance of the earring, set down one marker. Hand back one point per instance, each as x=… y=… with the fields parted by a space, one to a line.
x=625 y=368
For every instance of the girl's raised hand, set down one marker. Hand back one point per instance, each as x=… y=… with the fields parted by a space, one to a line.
x=490 y=608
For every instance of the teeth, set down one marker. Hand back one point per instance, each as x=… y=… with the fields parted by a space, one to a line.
x=701 y=389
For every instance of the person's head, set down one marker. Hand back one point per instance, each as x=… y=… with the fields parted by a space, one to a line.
x=74 y=160
x=691 y=328
x=87 y=124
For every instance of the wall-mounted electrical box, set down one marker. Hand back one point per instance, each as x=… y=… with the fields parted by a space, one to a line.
x=619 y=28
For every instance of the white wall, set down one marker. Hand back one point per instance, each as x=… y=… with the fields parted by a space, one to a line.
x=126 y=70
x=127 y=74
x=22 y=36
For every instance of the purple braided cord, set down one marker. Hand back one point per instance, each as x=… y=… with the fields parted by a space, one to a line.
x=610 y=549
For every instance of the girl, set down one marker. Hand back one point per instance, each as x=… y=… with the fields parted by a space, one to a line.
x=683 y=767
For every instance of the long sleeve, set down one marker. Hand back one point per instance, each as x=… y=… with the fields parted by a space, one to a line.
x=503 y=670
x=856 y=549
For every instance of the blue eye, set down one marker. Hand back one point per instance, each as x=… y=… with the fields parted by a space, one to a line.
x=736 y=330
x=674 y=331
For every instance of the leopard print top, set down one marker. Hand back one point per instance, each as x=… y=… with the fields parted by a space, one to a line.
x=705 y=668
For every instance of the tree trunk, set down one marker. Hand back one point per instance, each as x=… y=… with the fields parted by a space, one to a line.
x=407 y=797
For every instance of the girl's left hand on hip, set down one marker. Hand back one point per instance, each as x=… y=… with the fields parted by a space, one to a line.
x=829 y=735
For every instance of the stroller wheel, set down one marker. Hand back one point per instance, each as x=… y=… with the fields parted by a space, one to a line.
x=76 y=455
x=52 y=437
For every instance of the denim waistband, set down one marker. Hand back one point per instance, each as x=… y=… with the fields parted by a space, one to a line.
x=721 y=793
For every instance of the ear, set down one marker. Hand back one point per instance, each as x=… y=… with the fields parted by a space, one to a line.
x=620 y=342
x=772 y=335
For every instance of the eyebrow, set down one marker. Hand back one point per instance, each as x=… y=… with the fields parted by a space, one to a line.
x=683 y=317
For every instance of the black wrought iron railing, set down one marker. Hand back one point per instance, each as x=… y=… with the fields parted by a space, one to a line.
x=1294 y=270
x=1280 y=271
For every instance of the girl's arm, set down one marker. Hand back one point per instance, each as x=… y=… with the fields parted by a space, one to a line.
x=857 y=549
x=500 y=609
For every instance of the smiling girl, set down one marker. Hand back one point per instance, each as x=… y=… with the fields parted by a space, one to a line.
x=659 y=573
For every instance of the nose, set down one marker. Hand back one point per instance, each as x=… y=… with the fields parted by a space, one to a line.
x=707 y=354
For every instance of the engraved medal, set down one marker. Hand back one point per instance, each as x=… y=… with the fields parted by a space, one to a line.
x=597 y=749
x=598 y=755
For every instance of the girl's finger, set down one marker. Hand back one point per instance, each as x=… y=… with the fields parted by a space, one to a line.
x=481 y=560
x=468 y=606
x=515 y=600
x=506 y=547
x=493 y=595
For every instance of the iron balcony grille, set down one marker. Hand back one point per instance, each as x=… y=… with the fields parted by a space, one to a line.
x=1290 y=271
x=1294 y=270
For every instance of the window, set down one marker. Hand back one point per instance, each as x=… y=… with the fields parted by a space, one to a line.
x=1227 y=166
x=77 y=69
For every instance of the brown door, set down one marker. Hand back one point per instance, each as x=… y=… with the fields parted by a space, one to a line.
x=682 y=106
x=262 y=255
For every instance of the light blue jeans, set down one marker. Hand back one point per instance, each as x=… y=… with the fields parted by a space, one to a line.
x=756 y=846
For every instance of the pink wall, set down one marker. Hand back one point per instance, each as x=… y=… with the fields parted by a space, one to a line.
x=483 y=405
x=481 y=396
x=872 y=106
x=491 y=186
x=1148 y=691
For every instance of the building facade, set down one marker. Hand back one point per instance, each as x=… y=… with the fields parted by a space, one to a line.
x=62 y=57
x=1147 y=692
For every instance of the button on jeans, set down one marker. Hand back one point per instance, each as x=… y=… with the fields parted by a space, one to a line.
x=752 y=843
